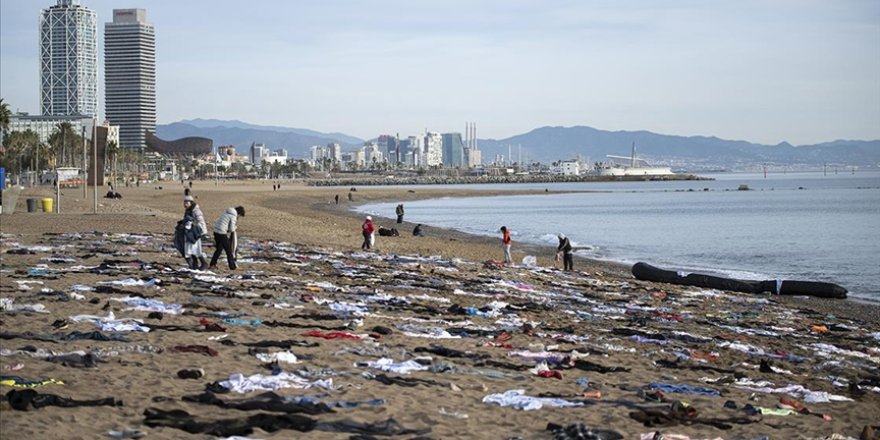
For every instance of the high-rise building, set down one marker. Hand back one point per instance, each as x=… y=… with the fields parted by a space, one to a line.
x=433 y=150
x=453 y=150
x=68 y=60
x=130 y=75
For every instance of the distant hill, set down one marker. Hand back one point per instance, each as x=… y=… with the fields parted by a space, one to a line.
x=241 y=134
x=547 y=144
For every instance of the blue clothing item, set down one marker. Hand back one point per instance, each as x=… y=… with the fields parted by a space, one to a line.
x=682 y=388
x=235 y=321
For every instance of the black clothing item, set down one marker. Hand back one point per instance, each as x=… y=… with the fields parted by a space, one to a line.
x=366 y=245
x=266 y=401
x=297 y=325
x=580 y=431
x=72 y=336
x=224 y=243
x=406 y=381
x=388 y=427
x=182 y=420
x=450 y=352
x=581 y=364
x=287 y=343
x=23 y=400
x=88 y=360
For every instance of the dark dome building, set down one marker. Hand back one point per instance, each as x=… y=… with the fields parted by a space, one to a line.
x=194 y=146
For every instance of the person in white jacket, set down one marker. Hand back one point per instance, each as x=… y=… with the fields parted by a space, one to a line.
x=224 y=236
x=193 y=252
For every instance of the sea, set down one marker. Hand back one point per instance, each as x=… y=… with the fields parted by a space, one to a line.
x=816 y=226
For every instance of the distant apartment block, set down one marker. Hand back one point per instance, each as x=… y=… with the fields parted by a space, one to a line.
x=68 y=60
x=130 y=75
x=260 y=153
x=433 y=150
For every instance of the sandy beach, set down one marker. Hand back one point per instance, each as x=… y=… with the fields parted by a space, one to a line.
x=427 y=337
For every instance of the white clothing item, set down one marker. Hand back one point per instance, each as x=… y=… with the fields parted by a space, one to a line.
x=244 y=384
x=386 y=364
x=132 y=282
x=6 y=304
x=193 y=249
x=518 y=400
x=280 y=356
x=799 y=391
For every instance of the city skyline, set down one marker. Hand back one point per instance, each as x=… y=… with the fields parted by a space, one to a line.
x=759 y=71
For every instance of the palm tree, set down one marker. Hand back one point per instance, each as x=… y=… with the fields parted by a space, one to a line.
x=5 y=115
x=111 y=152
x=65 y=143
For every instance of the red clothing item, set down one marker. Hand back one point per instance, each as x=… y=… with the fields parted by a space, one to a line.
x=506 y=238
x=368 y=227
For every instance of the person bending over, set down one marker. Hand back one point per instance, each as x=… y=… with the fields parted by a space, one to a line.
x=224 y=236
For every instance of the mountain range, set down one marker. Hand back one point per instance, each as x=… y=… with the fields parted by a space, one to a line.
x=549 y=144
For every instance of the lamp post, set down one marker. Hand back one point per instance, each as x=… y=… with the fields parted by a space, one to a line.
x=84 y=165
x=95 y=154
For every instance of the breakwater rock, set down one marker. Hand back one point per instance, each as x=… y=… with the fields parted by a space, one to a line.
x=460 y=180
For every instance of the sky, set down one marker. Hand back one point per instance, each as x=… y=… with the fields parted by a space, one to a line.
x=765 y=71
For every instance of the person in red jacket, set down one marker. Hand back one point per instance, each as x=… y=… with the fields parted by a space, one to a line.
x=506 y=241
x=367 y=229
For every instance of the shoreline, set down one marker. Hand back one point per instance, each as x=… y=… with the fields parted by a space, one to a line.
x=316 y=221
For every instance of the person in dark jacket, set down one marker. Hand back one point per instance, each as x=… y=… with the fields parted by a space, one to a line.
x=224 y=236
x=565 y=250
x=417 y=231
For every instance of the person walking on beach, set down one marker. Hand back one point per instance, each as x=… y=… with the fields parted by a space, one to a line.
x=565 y=249
x=224 y=236
x=193 y=252
x=399 y=212
x=367 y=229
x=506 y=242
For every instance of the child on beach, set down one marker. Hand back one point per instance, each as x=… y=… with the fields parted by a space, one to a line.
x=367 y=230
x=506 y=242
x=224 y=236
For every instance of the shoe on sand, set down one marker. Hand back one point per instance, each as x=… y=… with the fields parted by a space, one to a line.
x=191 y=373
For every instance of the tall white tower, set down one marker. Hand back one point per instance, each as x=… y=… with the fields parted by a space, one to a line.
x=68 y=60
x=130 y=75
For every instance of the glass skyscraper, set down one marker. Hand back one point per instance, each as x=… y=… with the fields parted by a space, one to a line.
x=68 y=60
x=130 y=75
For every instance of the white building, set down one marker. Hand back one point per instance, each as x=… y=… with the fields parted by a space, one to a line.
x=433 y=150
x=68 y=60
x=130 y=75
x=334 y=151
x=569 y=168
x=44 y=126
x=373 y=154
x=317 y=153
